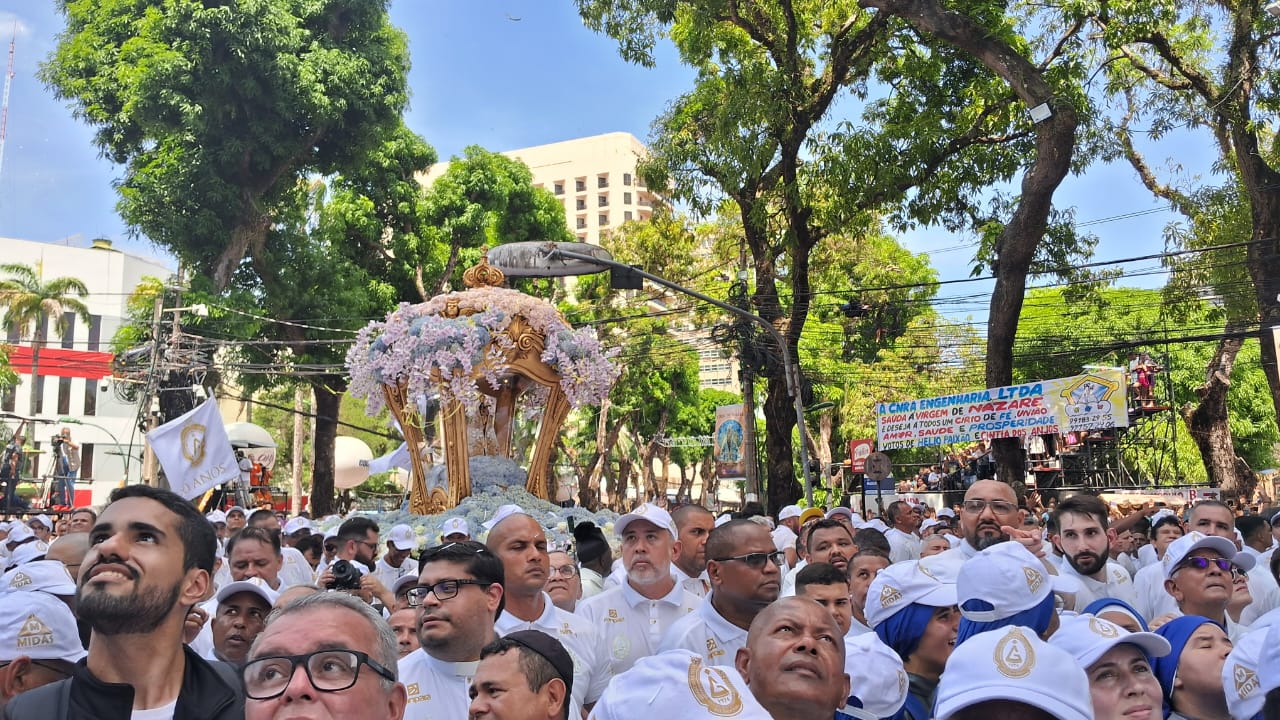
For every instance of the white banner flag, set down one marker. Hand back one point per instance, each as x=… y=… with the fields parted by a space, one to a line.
x=195 y=452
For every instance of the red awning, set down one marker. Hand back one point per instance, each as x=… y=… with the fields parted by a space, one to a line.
x=60 y=362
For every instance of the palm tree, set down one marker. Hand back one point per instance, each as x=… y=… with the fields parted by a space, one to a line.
x=27 y=299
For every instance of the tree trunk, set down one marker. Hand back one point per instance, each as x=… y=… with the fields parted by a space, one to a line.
x=299 y=444
x=35 y=376
x=1263 y=260
x=710 y=481
x=328 y=401
x=1208 y=424
x=648 y=477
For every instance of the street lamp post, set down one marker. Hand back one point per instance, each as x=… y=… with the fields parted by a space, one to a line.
x=127 y=450
x=597 y=259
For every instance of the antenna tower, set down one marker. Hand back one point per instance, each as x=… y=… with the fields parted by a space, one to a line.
x=8 y=82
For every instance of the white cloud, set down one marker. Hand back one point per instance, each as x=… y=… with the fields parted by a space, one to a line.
x=11 y=22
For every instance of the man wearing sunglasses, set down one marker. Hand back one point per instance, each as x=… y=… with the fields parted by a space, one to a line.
x=1199 y=571
x=324 y=655
x=458 y=598
x=745 y=569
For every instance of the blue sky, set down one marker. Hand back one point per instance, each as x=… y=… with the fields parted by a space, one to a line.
x=503 y=74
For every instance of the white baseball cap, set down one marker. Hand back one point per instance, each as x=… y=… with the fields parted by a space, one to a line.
x=25 y=554
x=296 y=524
x=402 y=582
x=455 y=526
x=401 y=537
x=877 y=679
x=876 y=524
x=722 y=519
x=646 y=511
x=1012 y=663
x=1181 y=548
x=840 y=511
x=790 y=511
x=236 y=508
x=43 y=520
x=39 y=626
x=677 y=684
x=252 y=585
x=1269 y=660
x=930 y=522
x=503 y=513
x=1088 y=638
x=1009 y=577
x=330 y=535
x=216 y=517
x=902 y=584
x=1241 y=675
x=946 y=512
x=49 y=576
x=19 y=532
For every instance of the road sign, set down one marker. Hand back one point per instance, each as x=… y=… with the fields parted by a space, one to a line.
x=879 y=466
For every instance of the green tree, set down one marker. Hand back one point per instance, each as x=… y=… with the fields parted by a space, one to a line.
x=30 y=302
x=217 y=110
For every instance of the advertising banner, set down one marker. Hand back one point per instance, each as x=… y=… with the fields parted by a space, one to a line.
x=859 y=450
x=1093 y=401
x=730 y=439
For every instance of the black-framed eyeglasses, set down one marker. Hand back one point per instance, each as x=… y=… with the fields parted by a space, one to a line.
x=1202 y=563
x=443 y=590
x=566 y=571
x=999 y=507
x=327 y=670
x=757 y=560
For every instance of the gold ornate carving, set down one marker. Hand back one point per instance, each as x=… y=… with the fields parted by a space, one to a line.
x=483 y=274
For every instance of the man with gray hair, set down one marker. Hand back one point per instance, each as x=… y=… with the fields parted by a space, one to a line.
x=324 y=655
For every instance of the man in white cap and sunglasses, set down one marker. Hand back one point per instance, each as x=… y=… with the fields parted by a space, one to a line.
x=1199 y=573
x=632 y=618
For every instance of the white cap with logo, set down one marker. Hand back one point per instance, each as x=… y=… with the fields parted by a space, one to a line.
x=1012 y=663
x=296 y=524
x=1182 y=548
x=401 y=537
x=39 y=626
x=1010 y=578
x=649 y=512
x=455 y=526
x=49 y=576
x=877 y=681
x=1241 y=675
x=1088 y=638
x=788 y=512
x=677 y=684
x=252 y=585
x=902 y=584
x=217 y=517
x=43 y=519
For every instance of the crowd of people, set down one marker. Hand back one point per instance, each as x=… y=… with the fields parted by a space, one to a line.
x=150 y=610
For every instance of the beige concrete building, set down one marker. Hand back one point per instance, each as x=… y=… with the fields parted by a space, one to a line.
x=593 y=177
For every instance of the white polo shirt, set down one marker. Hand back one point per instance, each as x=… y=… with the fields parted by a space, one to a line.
x=295 y=570
x=388 y=575
x=1117 y=585
x=630 y=626
x=578 y=638
x=902 y=546
x=699 y=586
x=436 y=689
x=705 y=632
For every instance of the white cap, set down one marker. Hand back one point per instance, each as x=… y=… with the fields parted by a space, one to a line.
x=928 y=523
x=901 y=584
x=39 y=626
x=217 y=516
x=1241 y=675
x=876 y=678
x=296 y=524
x=722 y=518
x=253 y=585
x=403 y=581
x=790 y=511
x=1269 y=662
x=237 y=508
x=877 y=524
x=1181 y=548
x=1163 y=513
x=49 y=576
x=503 y=513
x=646 y=511
x=43 y=520
x=1009 y=577
x=19 y=532
x=25 y=554
x=946 y=512
x=1011 y=663
x=677 y=684
x=455 y=526
x=401 y=537
x=840 y=511
x=1088 y=638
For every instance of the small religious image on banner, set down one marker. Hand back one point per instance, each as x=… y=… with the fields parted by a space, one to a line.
x=731 y=441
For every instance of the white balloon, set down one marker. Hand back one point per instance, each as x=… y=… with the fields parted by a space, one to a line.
x=348 y=471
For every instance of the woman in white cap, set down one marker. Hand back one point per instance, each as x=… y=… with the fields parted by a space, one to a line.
x=1118 y=664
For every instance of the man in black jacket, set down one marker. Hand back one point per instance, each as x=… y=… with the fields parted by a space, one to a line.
x=150 y=561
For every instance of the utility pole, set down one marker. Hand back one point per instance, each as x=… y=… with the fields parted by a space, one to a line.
x=747 y=375
x=150 y=465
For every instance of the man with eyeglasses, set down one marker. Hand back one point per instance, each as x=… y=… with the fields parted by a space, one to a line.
x=988 y=516
x=459 y=596
x=1199 y=570
x=632 y=617
x=744 y=566
x=564 y=582
x=521 y=544
x=324 y=656
x=39 y=642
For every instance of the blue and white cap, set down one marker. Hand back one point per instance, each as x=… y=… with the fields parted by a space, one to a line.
x=902 y=584
x=1012 y=663
x=1010 y=578
x=878 y=684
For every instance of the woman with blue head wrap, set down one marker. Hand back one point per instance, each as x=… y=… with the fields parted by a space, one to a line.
x=1119 y=612
x=913 y=612
x=1191 y=674
x=1006 y=585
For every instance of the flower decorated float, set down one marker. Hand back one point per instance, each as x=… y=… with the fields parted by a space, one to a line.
x=486 y=356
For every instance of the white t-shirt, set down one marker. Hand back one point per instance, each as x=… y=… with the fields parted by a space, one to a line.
x=630 y=626
x=590 y=677
x=1117 y=585
x=295 y=570
x=783 y=538
x=699 y=586
x=436 y=689
x=705 y=632
x=164 y=712
x=388 y=575
x=789 y=580
x=902 y=546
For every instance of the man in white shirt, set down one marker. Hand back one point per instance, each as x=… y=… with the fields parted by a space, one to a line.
x=394 y=563
x=521 y=544
x=1199 y=571
x=295 y=569
x=1256 y=531
x=745 y=578
x=631 y=619
x=904 y=519
x=828 y=541
x=458 y=597
x=784 y=536
x=1085 y=540
x=594 y=557
x=689 y=564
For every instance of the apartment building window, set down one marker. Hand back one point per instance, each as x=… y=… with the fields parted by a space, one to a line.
x=581 y=185
x=582 y=203
x=559 y=188
x=626 y=215
x=604 y=219
x=626 y=198
x=626 y=179
x=582 y=222
x=91 y=386
x=602 y=201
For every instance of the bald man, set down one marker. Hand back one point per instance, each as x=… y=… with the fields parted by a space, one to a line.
x=794 y=661
x=989 y=516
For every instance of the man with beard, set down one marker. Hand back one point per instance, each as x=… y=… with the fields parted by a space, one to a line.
x=150 y=562
x=693 y=525
x=989 y=515
x=458 y=597
x=830 y=541
x=745 y=570
x=1085 y=541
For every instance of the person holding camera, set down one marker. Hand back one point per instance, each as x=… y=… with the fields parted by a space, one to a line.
x=11 y=473
x=352 y=567
x=67 y=456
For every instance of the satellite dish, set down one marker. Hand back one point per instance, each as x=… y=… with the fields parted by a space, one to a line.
x=529 y=259
x=350 y=462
